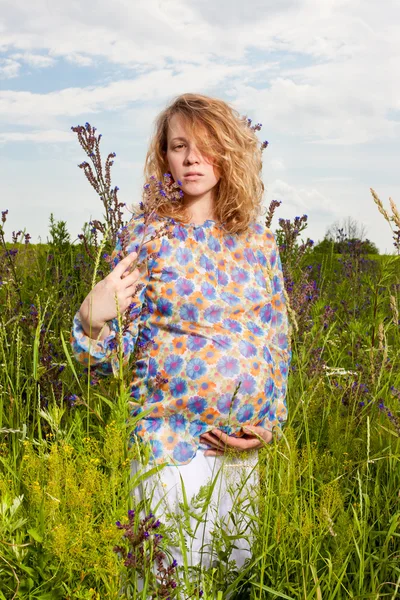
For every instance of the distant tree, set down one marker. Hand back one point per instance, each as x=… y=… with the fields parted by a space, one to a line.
x=366 y=246
x=346 y=236
x=328 y=245
x=346 y=229
x=325 y=246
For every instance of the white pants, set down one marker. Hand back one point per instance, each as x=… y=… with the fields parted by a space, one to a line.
x=208 y=496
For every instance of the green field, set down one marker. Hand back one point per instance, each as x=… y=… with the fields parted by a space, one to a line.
x=329 y=513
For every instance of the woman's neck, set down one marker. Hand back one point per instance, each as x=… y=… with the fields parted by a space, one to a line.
x=200 y=210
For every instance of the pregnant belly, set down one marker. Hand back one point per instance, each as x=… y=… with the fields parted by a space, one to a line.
x=220 y=382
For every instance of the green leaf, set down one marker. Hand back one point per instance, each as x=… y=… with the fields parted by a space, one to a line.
x=36 y=536
x=68 y=357
x=28 y=581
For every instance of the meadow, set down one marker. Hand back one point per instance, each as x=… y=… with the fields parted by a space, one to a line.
x=328 y=515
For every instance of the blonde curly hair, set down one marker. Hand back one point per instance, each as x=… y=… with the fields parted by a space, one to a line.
x=226 y=139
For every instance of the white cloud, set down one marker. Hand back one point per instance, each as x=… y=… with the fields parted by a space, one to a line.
x=331 y=179
x=79 y=59
x=21 y=107
x=325 y=112
x=149 y=31
x=240 y=13
x=9 y=68
x=146 y=31
x=342 y=96
x=319 y=74
x=276 y=165
x=334 y=91
x=35 y=60
x=299 y=198
x=52 y=135
x=130 y=165
x=328 y=202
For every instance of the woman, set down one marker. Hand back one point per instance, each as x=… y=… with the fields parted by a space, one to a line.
x=211 y=315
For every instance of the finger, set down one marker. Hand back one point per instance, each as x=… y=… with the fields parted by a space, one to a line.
x=225 y=438
x=130 y=281
x=243 y=444
x=220 y=434
x=249 y=444
x=124 y=264
x=128 y=273
x=129 y=292
x=213 y=453
x=125 y=298
x=237 y=443
x=213 y=441
x=258 y=432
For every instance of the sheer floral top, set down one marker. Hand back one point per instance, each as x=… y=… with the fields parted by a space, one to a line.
x=211 y=315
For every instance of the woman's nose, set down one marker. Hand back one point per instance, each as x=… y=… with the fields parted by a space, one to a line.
x=192 y=155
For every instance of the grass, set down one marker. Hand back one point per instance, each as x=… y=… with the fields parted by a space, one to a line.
x=326 y=523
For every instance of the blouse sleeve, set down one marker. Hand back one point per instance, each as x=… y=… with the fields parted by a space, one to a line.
x=278 y=338
x=103 y=355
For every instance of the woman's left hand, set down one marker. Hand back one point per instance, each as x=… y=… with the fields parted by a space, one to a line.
x=255 y=437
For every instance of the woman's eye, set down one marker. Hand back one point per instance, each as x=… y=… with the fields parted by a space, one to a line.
x=179 y=146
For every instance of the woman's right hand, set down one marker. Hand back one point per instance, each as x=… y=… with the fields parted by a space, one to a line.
x=100 y=304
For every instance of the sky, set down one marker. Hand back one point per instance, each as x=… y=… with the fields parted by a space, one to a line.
x=320 y=75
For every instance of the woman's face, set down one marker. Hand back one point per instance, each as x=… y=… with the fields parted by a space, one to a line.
x=184 y=158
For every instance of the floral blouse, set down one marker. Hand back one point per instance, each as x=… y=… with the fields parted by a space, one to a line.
x=211 y=313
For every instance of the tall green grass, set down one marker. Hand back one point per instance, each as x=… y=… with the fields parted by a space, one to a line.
x=326 y=522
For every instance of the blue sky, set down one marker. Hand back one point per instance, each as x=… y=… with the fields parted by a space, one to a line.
x=321 y=76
